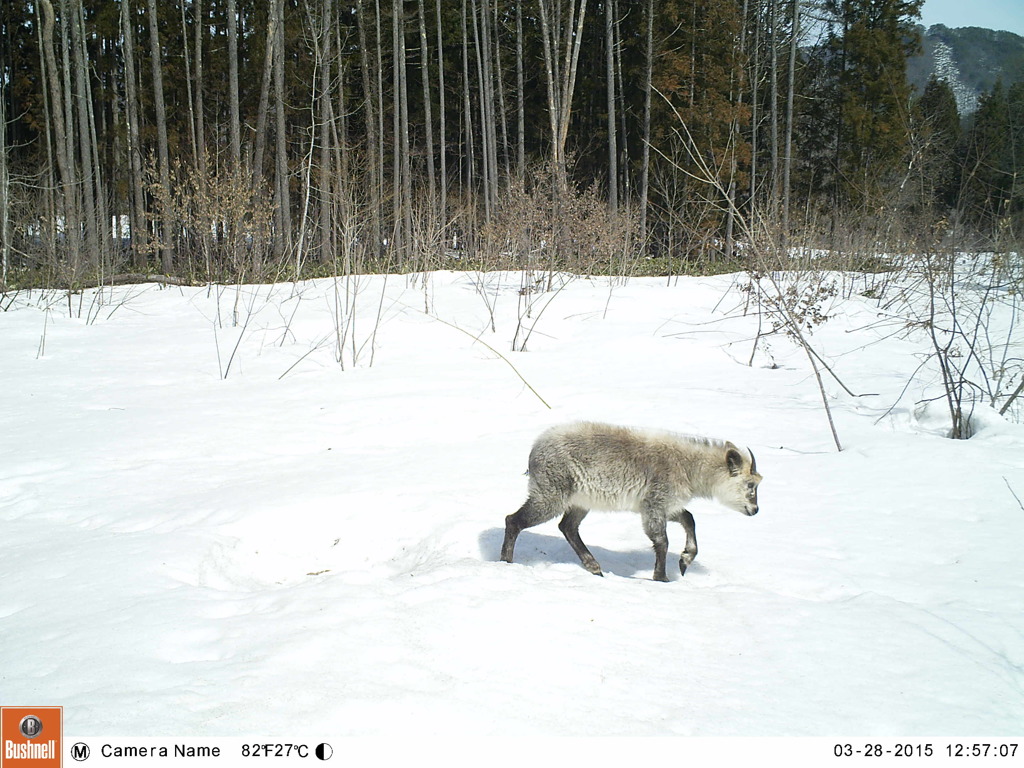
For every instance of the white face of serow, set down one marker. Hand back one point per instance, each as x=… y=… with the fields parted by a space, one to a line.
x=739 y=490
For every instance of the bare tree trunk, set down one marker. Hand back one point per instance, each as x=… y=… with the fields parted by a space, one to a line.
x=561 y=83
x=790 y=91
x=197 y=129
x=755 y=104
x=259 y=147
x=694 y=38
x=561 y=78
x=139 y=228
x=402 y=171
x=774 y=107
x=234 y=119
x=284 y=216
x=442 y=117
x=838 y=168
x=554 y=110
x=379 y=72
x=488 y=133
x=484 y=102
x=102 y=208
x=51 y=186
x=70 y=134
x=163 y=153
x=235 y=122
x=613 y=170
x=5 y=189
x=427 y=111
x=200 y=109
x=735 y=98
x=499 y=86
x=85 y=149
x=397 y=158
x=69 y=125
x=370 y=103
x=467 y=110
x=645 y=163
x=188 y=87
x=92 y=158
x=410 y=246
x=68 y=202
x=342 y=206
x=339 y=113
x=625 y=118
x=326 y=125
x=520 y=100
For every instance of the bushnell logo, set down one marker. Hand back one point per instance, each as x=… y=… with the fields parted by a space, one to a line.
x=30 y=737
x=30 y=726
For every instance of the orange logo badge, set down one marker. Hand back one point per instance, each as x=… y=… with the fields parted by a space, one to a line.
x=30 y=737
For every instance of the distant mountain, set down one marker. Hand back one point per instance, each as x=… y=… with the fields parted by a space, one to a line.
x=970 y=59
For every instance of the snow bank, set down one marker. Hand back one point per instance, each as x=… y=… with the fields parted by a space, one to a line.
x=313 y=542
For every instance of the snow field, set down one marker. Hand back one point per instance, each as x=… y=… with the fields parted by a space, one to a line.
x=302 y=546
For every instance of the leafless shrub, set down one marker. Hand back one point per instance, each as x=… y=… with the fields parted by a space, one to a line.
x=795 y=303
x=970 y=307
x=223 y=227
x=539 y=226
x=770 y=284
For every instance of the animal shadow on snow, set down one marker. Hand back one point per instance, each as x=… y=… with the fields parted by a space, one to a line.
x=535 y=547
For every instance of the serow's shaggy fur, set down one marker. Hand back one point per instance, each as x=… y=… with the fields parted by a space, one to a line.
x=575 y=468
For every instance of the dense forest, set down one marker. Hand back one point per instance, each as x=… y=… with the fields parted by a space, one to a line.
x=258 y=140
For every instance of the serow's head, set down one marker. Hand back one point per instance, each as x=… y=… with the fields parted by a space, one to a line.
x=739 y=490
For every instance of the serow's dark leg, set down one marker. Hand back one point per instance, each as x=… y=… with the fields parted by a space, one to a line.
x=570 y=528
x=529 y=515
x=690 y=550
x=654 y=527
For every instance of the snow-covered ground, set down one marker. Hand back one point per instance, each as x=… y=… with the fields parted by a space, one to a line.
x=303 y=541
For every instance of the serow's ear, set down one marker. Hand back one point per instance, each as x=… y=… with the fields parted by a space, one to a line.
x=733 y=460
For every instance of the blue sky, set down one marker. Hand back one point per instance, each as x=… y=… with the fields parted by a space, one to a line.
x=992 y=14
